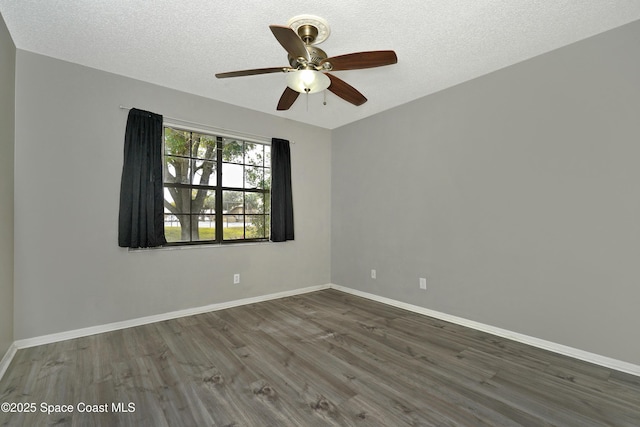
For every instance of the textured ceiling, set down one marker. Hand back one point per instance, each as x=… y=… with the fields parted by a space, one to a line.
x=182 y=44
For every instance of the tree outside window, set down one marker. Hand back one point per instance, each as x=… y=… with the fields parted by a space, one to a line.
x=216 y=189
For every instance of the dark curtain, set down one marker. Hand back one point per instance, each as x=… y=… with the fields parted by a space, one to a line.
x=281 y=198
x=141 y=222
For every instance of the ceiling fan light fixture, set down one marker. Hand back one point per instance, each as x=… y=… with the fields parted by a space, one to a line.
x=308 y=81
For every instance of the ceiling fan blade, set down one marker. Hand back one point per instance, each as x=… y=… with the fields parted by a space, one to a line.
x=359 y=60
x=345 y=91
x=290 y=42
x=287 y=99
x=252 y=72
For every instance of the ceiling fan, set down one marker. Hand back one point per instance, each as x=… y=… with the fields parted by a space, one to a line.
x=309 y=65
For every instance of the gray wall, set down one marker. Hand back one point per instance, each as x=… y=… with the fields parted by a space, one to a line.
x=515 y=194
x=69 y=271
x=7 y=110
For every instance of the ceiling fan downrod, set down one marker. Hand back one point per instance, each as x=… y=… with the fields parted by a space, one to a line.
x=308 y=33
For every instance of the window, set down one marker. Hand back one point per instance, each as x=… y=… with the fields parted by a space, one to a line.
x=216 y=189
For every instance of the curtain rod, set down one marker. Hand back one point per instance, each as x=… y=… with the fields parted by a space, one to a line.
x=214 y=128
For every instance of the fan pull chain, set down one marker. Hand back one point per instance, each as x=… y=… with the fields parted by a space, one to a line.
x=325 y=97
x=307 y=91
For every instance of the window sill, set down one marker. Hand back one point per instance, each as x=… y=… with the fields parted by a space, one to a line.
x=196 y=246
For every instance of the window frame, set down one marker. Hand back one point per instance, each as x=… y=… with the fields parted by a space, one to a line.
x=218 y=189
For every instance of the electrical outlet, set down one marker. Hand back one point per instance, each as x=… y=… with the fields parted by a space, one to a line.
x=373 y=274
x=236 y=279
x=423 y=283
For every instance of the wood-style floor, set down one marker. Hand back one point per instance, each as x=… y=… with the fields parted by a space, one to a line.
x=320 y=359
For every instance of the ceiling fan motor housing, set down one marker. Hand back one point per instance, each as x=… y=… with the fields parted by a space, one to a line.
x=316 y=54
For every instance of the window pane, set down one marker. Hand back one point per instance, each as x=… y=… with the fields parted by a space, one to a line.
x=232 y=175
x=267 y=179
x=206 y=229
x=254 y=203
x=177 y=142
x=267 y=226
x=232 y=202
x=253 y=177
x=267 y=156
x=233 y=222
x=176 y=170
x=232 y=150
x=253 y=154
x=203 y=206
x=176 y=228
x=203 y=202
x=178 y=198
x=204 y=172
x=204 y=146
x=267 y=203
x=233 y=227
x=256 y=227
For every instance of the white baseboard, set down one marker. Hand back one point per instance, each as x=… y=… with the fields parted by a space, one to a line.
x=586 y=356
x=536 y=342
x=7 y=358
x=78 y=333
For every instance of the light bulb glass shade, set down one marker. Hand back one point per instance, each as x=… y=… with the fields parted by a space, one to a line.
x=307 y=81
